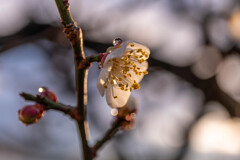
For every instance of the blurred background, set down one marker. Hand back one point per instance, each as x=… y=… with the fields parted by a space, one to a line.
x=188 y=103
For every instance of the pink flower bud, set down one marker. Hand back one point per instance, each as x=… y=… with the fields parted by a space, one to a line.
x=47 y=93
x=128 y=113
x=31 y=114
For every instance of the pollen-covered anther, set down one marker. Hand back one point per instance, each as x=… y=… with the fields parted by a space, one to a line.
x=135 y=85
x=145 y=72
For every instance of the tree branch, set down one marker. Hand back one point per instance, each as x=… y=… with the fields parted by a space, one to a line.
x=74 y=34
x=49 y=104
x=108 y=135
x=209 y=87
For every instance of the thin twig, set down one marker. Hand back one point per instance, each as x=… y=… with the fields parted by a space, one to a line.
x=49 y=104
x=108 y=135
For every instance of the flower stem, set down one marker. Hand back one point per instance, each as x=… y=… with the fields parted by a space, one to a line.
x=96 y=58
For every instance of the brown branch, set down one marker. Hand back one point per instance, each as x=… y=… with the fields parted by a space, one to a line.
x=108 y=135
x=49 y=104
x=209 y=87
x=74 y=34
x=23 y=36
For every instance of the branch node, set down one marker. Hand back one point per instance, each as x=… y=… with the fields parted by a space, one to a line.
x=84 y=64
x=74 y=113
x=66 y=4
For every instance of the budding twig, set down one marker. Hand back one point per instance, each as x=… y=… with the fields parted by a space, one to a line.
x=49 y=104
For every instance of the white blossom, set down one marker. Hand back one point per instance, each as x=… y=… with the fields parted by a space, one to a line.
x=123 y=68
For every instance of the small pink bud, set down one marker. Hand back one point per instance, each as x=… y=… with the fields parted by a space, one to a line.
x=31 y=114
x=47 y=93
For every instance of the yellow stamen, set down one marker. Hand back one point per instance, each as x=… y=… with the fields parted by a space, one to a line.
x=145 y=72
x=136 y=86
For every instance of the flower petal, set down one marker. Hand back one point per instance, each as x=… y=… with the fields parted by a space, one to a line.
x=117 y=52
x=102 y=79
x=133 y=45
x=116 y=97
x=142 y=67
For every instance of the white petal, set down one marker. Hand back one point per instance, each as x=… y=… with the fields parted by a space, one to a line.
x=143 y=67
x=122 y=96
x=102 y=79
x=118 y=52
x=137 y=45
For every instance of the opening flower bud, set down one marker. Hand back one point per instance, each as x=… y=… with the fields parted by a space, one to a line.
x=128 y=113
x=129 y=109
x=47 y=93
x=31 y=114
